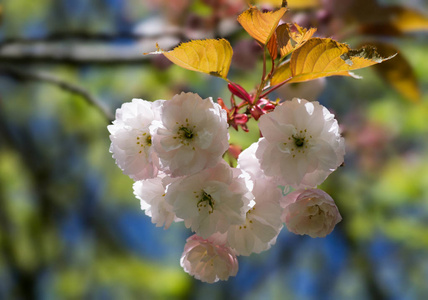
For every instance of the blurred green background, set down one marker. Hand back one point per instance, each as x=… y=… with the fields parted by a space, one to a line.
x=70 y=227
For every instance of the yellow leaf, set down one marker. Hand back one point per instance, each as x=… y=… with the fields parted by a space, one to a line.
x=290 y=40
x=208 y=56
x=391 y=21
x=398 y=73
x=284 y=72
x=320 y=57
x=303 y=4
x=293 y=4
x=281 y=74
x=260 y=25
x=406 y=20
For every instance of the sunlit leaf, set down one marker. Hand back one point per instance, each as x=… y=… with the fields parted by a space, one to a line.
x=293 y=4
x=398 y=73
x=320 y=57
x=281 y=74
x=397 y=18
x=260 y=25
x=290 y=40
x=405 y=19
x=303 y=4
x=272 y=46
x=208 y=56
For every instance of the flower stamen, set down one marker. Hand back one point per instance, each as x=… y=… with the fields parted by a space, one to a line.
x=206 y=198
x=186 y=132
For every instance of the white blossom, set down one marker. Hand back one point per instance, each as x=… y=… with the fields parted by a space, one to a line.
x=192 y=136
x=151 y=193
x=263 y=221
x=131 y=138
x=312 y=212
x=212 y=200
x=207 y=260
x=248 y=162
x=301 y=143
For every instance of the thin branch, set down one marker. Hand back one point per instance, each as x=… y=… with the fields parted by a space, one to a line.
x=275 y=87
x=262 y=83
x=49 y=78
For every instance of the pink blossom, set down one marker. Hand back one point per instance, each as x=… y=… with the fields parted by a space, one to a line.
x=263 y=221
x=208 y=260
x=312 y=212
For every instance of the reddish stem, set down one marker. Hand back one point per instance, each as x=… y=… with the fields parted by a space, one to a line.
x=275 y=87
x=262 y=83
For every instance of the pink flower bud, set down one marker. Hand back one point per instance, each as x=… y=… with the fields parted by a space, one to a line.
x=268 y=107
x=256 y=112
x=312 y=212
x=241 y=119
x=239 y=91
x=207 y=260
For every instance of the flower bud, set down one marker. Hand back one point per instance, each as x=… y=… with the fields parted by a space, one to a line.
x=239 y=91
x=241 y=118
x=268 y=107
x=256 y=112
x=312 y=212
x=208 y=261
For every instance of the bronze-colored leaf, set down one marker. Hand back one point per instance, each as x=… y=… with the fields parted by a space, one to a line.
x=405 y=19
x=398 y=73
x=260 y=25
x=272 y=46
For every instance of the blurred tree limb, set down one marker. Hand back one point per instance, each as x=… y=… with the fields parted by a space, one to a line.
x=67 y=86
x=74 y=53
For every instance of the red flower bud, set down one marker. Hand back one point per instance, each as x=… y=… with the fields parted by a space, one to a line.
x=241 y=119
x=239 y=91
x=256 y=112
x=268 y=107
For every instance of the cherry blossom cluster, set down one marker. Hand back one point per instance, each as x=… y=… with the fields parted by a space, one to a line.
x=173 y=150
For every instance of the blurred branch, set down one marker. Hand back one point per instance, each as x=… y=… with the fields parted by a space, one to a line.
x=64 y=36
x=49 y=78
x=74 y=53
x=84 y=48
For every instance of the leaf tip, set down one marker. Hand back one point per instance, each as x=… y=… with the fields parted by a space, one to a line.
x=158 y=50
